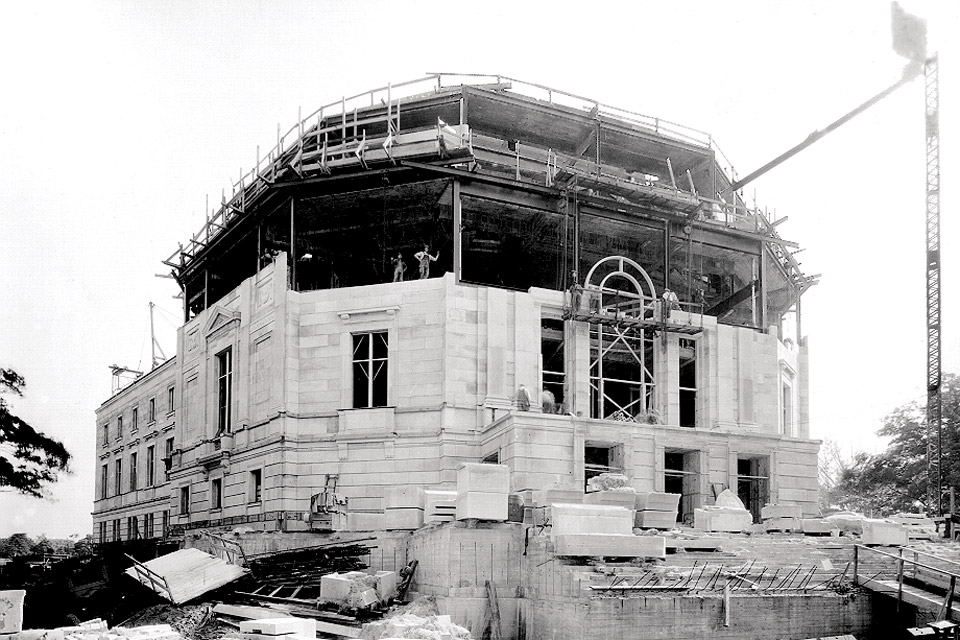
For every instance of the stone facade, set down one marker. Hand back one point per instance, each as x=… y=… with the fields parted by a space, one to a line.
x=254 y=436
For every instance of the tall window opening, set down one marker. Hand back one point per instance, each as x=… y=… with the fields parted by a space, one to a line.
x=185 y=500
x=370 y=369
x=106 y=434
x=224 y=389
x=681 y=474
x=552 y=361
x=621 y=373
x=102 y=527
x=170 y=400
x=152 y=410
x=119 y=427
x=688 y=382
x=134 y=419
x=118 y=476
x=104 y=480
x=216 y=493
x=151 y=466
x=133 y=471
x=256 y=485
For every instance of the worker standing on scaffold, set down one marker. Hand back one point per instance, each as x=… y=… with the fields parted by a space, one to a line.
x=425 y=259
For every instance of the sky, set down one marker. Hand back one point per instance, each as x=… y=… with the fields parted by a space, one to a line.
x=119 y=119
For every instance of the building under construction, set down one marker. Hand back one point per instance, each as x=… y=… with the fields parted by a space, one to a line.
x=468 y=269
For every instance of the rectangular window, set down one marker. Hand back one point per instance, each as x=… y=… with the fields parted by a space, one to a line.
x=119 y=427
x=216 y=493
x=370 y=369
x=787 y=407
x=170 y=400
x=688 y=382
x=552 y=364
x=168 y=450
x=104 y=480
x=165 y=522
x=185 y=500
x=116 y=530
x=135 y=419
x=152 y=410
x=151 y=467
x=106 y=434
x=118 y=477
x=224 y=389
x=102 y=528
x=256 y=484
x=133 y=472
x=148 y=526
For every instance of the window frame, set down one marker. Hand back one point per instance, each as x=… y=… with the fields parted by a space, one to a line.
x=171 y=399
x=151 y=410
x=118 y=476
x=134 y=418
x=104 y=481
x=224 y=379
x=372 y=376
x=216 y=494
x=119 y=426
x=132 y=475
x=151 y=465
x=255 y=488
x=185 y=500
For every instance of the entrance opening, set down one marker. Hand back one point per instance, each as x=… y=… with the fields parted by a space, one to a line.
x=601 y=457
x=753 y=482
x=552 y=362
x=681 y=474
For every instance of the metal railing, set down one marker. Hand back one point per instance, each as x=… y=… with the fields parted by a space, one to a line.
x=901 y=562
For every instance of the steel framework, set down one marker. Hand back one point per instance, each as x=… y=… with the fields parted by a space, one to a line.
x=934 y=415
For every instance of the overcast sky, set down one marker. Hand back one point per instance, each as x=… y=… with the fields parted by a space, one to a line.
x=118 y=118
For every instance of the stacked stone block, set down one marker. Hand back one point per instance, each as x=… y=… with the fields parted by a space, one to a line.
x=403 y=507
x=781 y=517
x=482 y=491
x=656 y=510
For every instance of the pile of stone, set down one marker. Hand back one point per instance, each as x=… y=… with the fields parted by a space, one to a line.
x=358 y=590
x=728 y=514
x=11 y=626
x=918 y=525
x=482 y=491
x=409 y=625
x=600 y=530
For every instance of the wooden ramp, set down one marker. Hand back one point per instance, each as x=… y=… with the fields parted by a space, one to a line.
x=921 y=599
x=184 y=575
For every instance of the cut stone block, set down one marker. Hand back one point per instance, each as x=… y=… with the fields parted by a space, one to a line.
x=782 y=524
x=401 y=518
x=551 y=496
x=481 y=505
x=617 y=498
x=816 y=526
x=475 y=477
x=280 y=626
x=721 y=519
x=405 y=496
x=590 y=518
x=334 y=587
x=386 y=584
x=368 y=598
x=657 y=501
x=363 y=521
x=618 y=545
x=439 y=506
x=11 y=610
x=656 y=519
x=883 y=532
x=35 y=634
x=781 y=511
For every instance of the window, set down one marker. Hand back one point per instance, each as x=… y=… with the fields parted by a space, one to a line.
x=135 y=419
x=168 y=457
x=681 y=475
x=216 y=493
x=185 y=500
x=170 y=400
x=133 y=471
x=133 y=528
x=688 y=382
x=119 y=427
x=552 y=362
x=165 y=522
x=148 y=525
x=151 y=467
x=168 y=450
x=224 y=389
x=104 y=479
x=152 y=410
x=370 y=369
x=753 y=482
x=102 y=529
x=117 y=477
x=116 y=530
x=256 y=484
x=106 y=434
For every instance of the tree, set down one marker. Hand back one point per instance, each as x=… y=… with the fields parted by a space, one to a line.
x=84 y=546
x=896 y=480
x=19 y=544
x=29 y=459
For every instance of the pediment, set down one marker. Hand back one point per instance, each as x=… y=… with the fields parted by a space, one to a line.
x=219 y=318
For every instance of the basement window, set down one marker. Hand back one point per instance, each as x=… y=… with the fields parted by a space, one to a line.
x=552 y=362
x=370 y=355
x=681 y=475
x=601 y=457
x=753 y=482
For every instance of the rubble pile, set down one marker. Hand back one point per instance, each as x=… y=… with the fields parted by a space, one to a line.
x=410 y=625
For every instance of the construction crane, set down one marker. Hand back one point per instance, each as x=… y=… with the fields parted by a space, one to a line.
x=910 y=41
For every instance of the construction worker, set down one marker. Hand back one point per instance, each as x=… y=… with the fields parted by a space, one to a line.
x=399 y=267
x=425 y=259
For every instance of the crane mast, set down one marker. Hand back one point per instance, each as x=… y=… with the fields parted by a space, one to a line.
x=934 y=407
